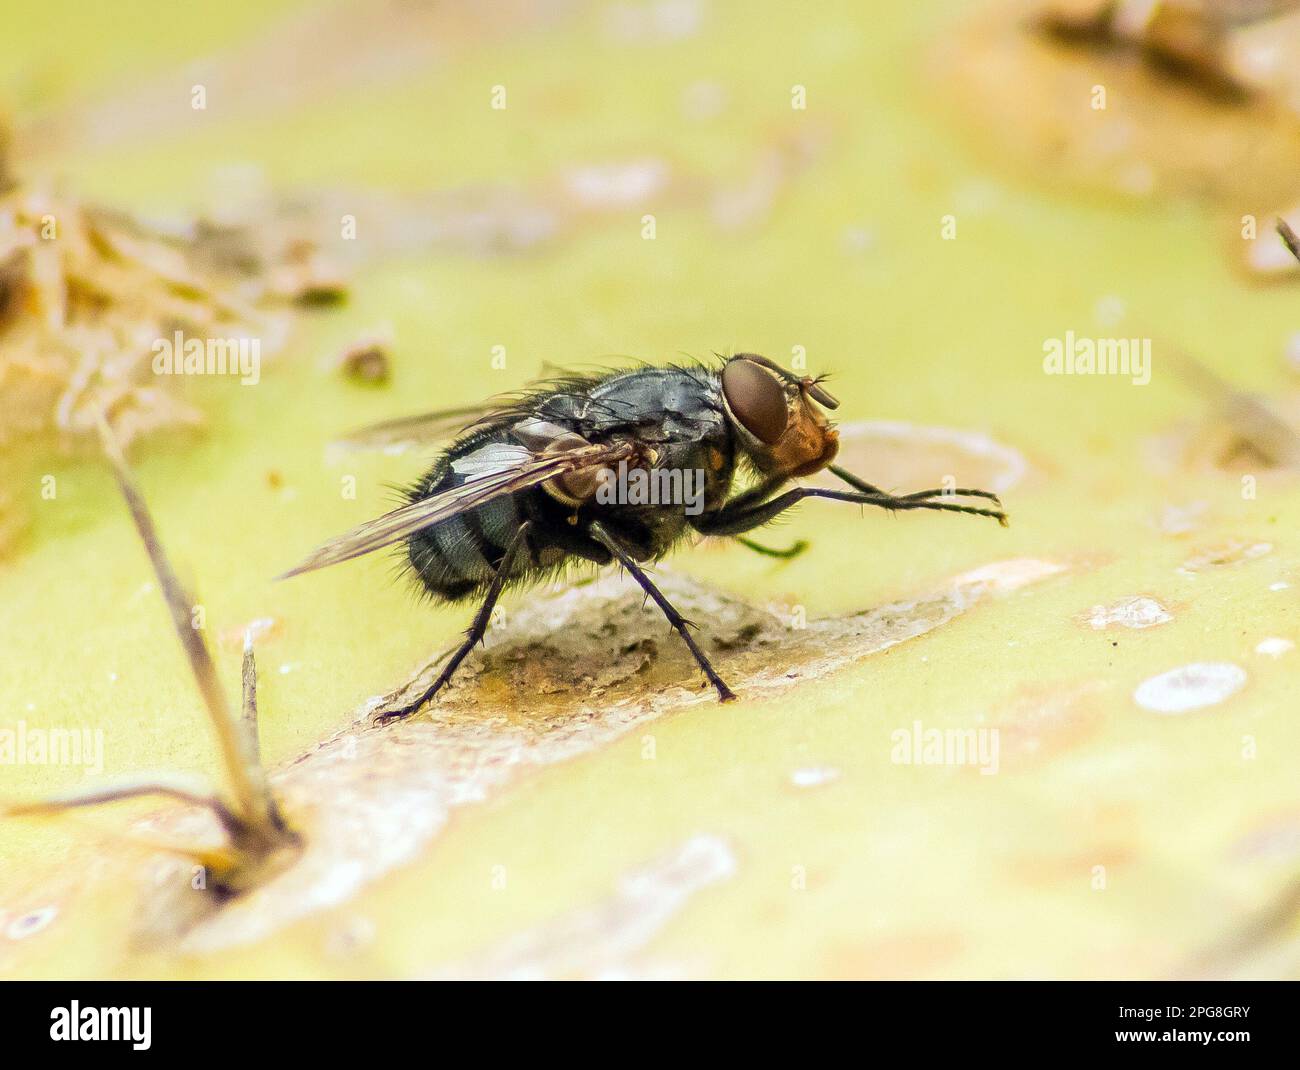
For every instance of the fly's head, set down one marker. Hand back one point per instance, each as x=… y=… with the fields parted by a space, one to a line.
x=778 y=416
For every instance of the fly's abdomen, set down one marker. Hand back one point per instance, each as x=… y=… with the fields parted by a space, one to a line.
x=459 y=556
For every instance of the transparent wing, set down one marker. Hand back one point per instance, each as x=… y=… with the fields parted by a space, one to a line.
x=408 y=432
x=519 y=469
x=429 y=428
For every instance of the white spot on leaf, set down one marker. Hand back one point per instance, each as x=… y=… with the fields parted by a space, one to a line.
x=30 y=923
x=814 y=776
x=1129 y=613
x=1190 y=687
x=1274 y=647
x=1181 y=519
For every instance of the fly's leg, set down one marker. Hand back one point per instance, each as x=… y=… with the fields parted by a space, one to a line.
x=735 y=521
x=791 y=551
x=475 y=632
x=679 y=622
x=862 y=485
x=755 y=495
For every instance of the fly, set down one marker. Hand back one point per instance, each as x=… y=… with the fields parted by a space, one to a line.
x=542 y=480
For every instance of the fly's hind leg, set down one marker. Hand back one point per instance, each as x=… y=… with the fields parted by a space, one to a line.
x=475 y=633
x=679 y=622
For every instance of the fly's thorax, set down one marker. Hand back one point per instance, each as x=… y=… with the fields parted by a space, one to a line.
x=672 y=419
x=669 y=403
x=716 y=458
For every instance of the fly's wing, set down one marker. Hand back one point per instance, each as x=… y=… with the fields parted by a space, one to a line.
x=517 y=470
x=407 y=432
x=429 y=428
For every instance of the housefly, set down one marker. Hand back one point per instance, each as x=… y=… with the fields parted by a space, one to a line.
x=560 y=474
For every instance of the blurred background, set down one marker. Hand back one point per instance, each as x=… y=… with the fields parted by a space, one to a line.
x=414 y=205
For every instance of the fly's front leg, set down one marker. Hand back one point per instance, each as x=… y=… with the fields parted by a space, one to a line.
x=858 y=483
x=679 y=622
x=754 y=496
x=730 y=520
x=476 y=630
x=739 y=516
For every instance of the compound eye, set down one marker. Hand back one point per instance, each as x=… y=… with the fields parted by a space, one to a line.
x=757 y=400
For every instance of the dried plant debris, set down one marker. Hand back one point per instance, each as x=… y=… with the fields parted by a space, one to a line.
x=1211 y=446
x=1265 y=946
x=1136 y=98
x=85 y=293
x=596 y=663
x=1258 y=431
x=254 y=840
x=1289 y=238
x=366 y=361
x=92 y=300
x=1268 y=260
x=1194 y=38
x=1243 y=433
